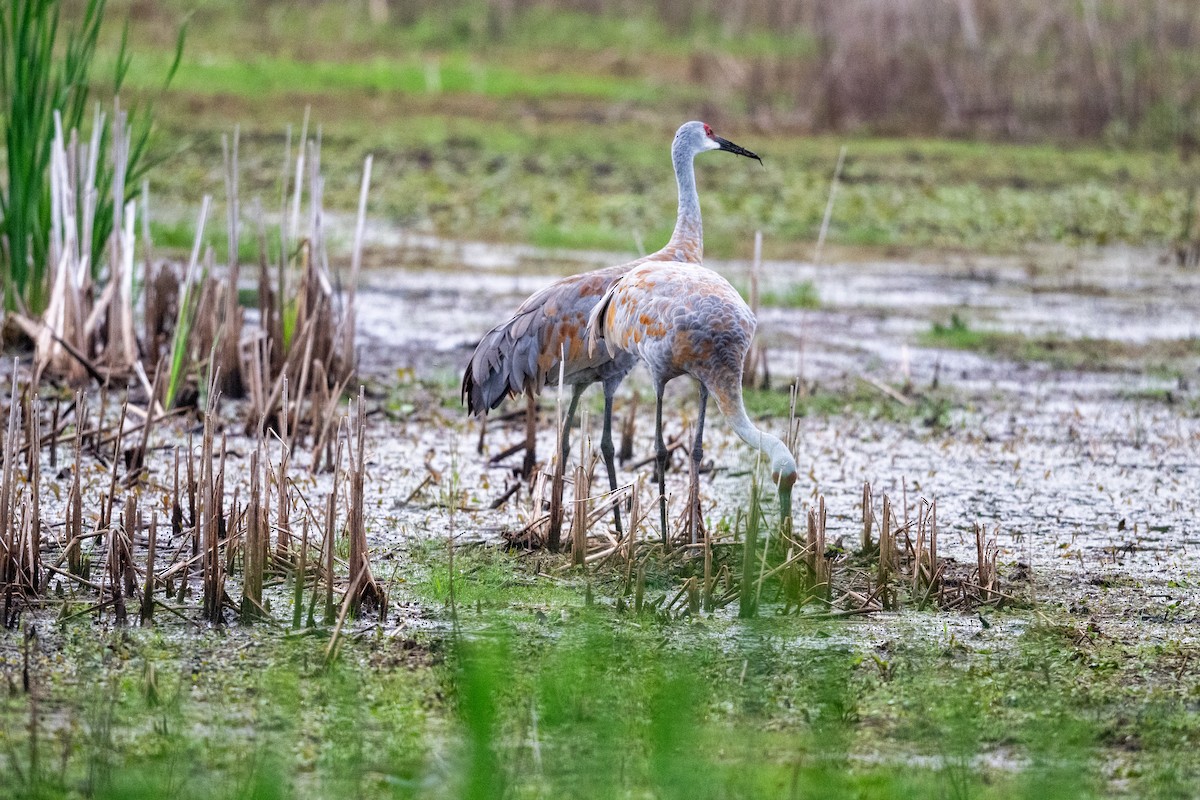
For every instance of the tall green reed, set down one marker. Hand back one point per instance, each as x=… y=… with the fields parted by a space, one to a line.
x=39 y=75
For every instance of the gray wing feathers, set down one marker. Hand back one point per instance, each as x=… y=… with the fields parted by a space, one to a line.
x=508 y=360
x=520 y=325
x=505 y=362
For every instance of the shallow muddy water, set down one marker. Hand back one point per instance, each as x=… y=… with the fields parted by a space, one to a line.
x=1089 y=481
x=1086 y=474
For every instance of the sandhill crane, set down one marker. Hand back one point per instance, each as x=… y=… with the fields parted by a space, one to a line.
x=522 y=354
x=689 y=320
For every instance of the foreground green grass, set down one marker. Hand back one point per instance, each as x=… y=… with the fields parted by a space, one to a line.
x=525 y=688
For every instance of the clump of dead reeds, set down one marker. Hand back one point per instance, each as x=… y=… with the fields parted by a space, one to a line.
x=109 y=558
x=899 y=562
x=905 y=566
x=194 y=349
x=192 y=320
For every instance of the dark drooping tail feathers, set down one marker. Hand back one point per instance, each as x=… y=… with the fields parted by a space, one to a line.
x=505 y=364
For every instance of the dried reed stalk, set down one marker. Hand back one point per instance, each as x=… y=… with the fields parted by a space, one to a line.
x=11 y=567
x=147 y=611
x=299 y=577
x=887 y=558
x=828 y=216
x=986 y=554
x=75 y=496
x=756 y=357
x=283 y=538
x=349 y=320
x=255 y=545
x=131 y=528
x=113 y=573
x=211 y=478
x=121 y=348
x=231 y=318
x=326 y=413
x=363 y=587
x=579 y=519
x=868 y=519
x=138 y=456
x=330 y=531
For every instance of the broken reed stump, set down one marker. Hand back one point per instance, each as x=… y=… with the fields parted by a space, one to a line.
x=819 y=567
x=147 y=610
x=986 y=552
x=579 y=523
x=255 y=545
x=887 y=560
x=868 y=519
x=926 y=571
x=364 y=589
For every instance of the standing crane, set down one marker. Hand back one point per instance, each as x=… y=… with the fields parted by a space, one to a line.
x=523 y=354
x=689 y=320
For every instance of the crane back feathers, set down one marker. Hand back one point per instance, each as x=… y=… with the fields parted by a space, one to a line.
x=522 y=353
x=678 y=319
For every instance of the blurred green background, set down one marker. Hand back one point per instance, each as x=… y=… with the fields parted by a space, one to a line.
x=980 y=124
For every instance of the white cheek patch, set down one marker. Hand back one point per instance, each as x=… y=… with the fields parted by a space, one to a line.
x=709 y=144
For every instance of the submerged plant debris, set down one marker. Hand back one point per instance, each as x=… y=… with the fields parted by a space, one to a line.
x=508 y=672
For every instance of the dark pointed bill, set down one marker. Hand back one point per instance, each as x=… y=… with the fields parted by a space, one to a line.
x=736 y=149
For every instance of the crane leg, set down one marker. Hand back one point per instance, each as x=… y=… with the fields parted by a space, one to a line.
x=695 y=521
x=661 y=463
x=560 y=467
x=568 y=423
x=609 y=452
x=530 y=436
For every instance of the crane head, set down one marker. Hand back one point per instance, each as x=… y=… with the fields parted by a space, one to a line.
x=700 y=137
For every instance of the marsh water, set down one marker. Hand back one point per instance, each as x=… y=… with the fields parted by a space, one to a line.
x=1085 y=474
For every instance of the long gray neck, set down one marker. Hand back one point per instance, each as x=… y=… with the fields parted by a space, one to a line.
x=780 y=459
x=689 y=231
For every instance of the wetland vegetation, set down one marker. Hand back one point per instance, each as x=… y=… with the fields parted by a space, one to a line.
x=989 y=588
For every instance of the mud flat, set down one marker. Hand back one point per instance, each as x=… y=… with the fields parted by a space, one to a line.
x=1080 y=676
